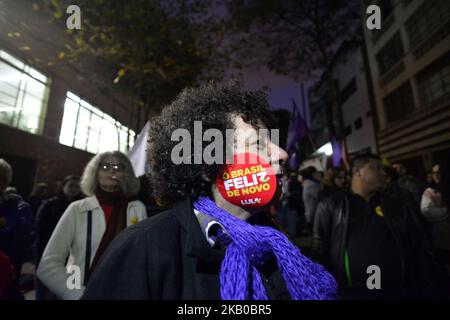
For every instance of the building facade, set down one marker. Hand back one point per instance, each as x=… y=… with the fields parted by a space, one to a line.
x=410 y=70
x=354 y=98
x=353 y=103
x=54 y=114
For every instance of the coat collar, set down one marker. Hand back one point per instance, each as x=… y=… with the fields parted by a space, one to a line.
x=89 y=204
x=196 y=244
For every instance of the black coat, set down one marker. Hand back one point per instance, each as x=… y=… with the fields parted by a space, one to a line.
x=165 y=257
x=404 y=221
x=47 y=218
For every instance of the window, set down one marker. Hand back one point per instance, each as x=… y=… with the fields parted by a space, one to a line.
x=87 y=128
x=390 y=54
x=399 y=103
x=23 y=94
x=348 y=90
x=347 y=131
x=432 y=41
x=434 y=82
x=426 y=20
x=358 y=123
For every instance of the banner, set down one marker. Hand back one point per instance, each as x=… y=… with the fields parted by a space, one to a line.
x=138 y=154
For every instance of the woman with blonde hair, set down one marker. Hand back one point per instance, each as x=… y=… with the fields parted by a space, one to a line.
x=89 y=225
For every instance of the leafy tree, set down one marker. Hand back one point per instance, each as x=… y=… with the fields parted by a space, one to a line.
x=158 y=47
x=297 y=38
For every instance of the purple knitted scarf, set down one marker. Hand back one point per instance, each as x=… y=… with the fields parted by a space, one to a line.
x=250 y=247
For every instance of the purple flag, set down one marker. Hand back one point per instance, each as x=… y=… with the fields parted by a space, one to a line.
x=298 y=129
x=337 y=152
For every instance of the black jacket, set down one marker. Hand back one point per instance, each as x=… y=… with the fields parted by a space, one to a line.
x=47 y=218
x=165 y=257
x=404 y=222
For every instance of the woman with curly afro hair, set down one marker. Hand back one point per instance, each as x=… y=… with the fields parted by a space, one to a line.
x=206 y=246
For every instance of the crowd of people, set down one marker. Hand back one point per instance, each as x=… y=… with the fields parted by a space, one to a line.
x=171 y=234
x=374 y=214
x=85 y=213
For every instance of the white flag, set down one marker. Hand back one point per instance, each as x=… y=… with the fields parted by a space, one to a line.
x=138 y=154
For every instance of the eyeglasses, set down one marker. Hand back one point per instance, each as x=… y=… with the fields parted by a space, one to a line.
x=116 y=167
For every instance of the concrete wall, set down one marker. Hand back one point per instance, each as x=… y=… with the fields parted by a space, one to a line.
x=357 y=105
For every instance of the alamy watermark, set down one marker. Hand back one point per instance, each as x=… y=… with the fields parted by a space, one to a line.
x=73 y=281
x=374 y=280
x=374 y=20
x=73 y=22
x=220 y=150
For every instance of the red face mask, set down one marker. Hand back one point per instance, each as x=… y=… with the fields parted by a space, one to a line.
x=248 y=184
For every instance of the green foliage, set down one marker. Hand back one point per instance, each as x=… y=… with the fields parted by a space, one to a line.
x=159 y=47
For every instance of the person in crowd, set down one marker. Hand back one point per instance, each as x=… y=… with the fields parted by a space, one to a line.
x=11 y=190
x=431 y=205
x=391 y=180
x=88 y=226
x=333 y=181
x=429 y=179
x=205 y=247
x=311 y=187
x=295 y=201
x=57 y=187
x=38 y=195
x=47 y=218
x=435 y=208
x=286 y=214
x=146 y=197
x=363 y=230
x=8 y=286
x=396 y=189
x=408 y=182
x=15 y=222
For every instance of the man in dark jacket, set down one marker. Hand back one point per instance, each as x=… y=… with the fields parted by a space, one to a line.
x=374 y=241
x=15 y=222
x=206 y=246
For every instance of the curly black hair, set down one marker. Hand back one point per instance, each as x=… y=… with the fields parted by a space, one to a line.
x=215 y=104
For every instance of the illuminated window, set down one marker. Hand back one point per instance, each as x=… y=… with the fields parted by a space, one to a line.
x=87 y=128
x=23 y=94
